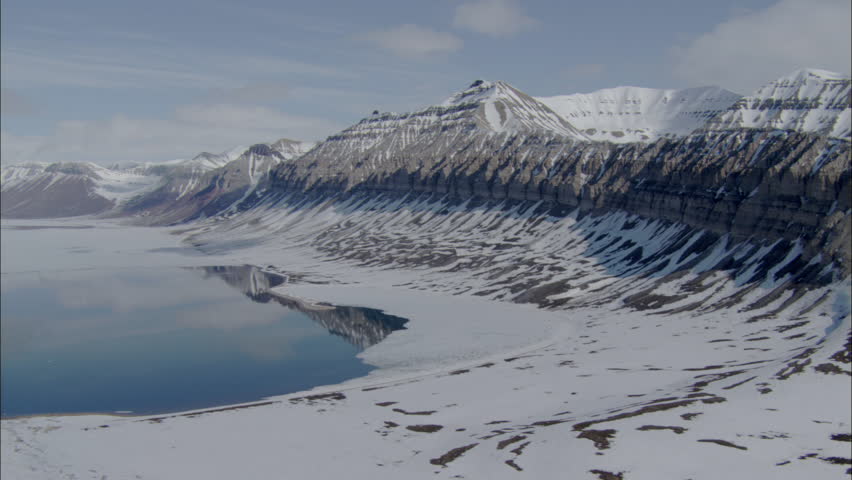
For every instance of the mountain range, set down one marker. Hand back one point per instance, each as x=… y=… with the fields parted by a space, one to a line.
x=806 y=101
x=693 y=246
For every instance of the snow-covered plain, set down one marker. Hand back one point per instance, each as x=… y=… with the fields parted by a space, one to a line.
x=608 y=382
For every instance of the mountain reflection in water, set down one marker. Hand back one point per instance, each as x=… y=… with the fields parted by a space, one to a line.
x=361 y=327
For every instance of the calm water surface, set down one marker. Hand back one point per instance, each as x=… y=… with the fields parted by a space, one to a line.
x=160 y=340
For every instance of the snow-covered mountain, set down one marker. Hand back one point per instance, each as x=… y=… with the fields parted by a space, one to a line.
x=483 y=108
x=634 y=114
x=697 y=292
x=68 y=189
x=500 y=107
x=489 y=128
x=484 y=112
x=807 y=100
x=193 y=189
x=290 y=149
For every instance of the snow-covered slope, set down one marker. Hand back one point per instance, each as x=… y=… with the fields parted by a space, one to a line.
x=634 y=114
x=69 y=189
x=484 y=108
x=484 y=112
x=807 y=100
x=718 y=352
x=12 y=174
x=192 y=189
x=686 y=308
x=290 y=149
x=501 y=107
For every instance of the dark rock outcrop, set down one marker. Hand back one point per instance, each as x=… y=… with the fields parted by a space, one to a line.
x=750 y=183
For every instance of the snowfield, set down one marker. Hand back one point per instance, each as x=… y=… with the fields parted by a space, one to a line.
x=551 y=334
x=751 y=383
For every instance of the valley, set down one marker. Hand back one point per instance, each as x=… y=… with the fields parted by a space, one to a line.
x=676 y=306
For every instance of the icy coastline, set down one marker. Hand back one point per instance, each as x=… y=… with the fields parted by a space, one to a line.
x=479 y=388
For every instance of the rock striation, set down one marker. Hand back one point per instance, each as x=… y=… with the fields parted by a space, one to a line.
x=762 y=183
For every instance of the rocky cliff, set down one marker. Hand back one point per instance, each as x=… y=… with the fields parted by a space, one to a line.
x=763 y=183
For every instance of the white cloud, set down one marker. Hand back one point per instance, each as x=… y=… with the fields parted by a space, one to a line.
x=414 y=41
x=191 y=129
x=492 y=17
x=106 y=67
x=27 y=68
x=755 y=48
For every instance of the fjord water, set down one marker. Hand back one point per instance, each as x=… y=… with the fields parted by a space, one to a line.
x=168 y=339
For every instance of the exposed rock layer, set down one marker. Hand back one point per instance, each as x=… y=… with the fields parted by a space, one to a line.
x=766 y=185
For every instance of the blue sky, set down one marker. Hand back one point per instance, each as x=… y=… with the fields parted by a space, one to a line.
x=117 y=81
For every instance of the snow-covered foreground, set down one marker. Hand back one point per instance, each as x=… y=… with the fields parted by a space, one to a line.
x=612 y=384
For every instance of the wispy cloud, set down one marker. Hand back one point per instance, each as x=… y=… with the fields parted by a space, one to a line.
x=190 y=129
x=497 y=18
x=414 y=41
x=262 y=92
x=122 y=67
x=29 y=68
x=749 y=50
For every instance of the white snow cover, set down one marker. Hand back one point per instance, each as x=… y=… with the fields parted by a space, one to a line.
x=625 y=376
x=117 y=184
x=505 y=108
x=807 y=100
x=120 y=185
x=290 y=149
x=15 y=173
x=635 y=114
x=511 y=391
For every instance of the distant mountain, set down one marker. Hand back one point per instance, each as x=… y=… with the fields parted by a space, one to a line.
x=68 y=189
x=807 y=100
x=192 y=189
x=634 y=114
x=490 y=131
x=701 y=273
x=40 y=190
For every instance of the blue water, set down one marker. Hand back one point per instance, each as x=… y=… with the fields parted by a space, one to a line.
x=162 y=340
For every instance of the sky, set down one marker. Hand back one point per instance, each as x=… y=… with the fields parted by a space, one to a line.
x=115 y=81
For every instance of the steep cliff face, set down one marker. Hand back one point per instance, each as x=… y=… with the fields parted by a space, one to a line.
x=769 y=185
x=785 y=177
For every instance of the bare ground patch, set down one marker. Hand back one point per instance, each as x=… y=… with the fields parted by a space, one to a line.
x=723 y=443
x=451 y=455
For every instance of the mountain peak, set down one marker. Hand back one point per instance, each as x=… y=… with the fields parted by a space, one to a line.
x=805 y=74
x=476 y=92
x=807 y=100
x=637 y=114
x=502 y=107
